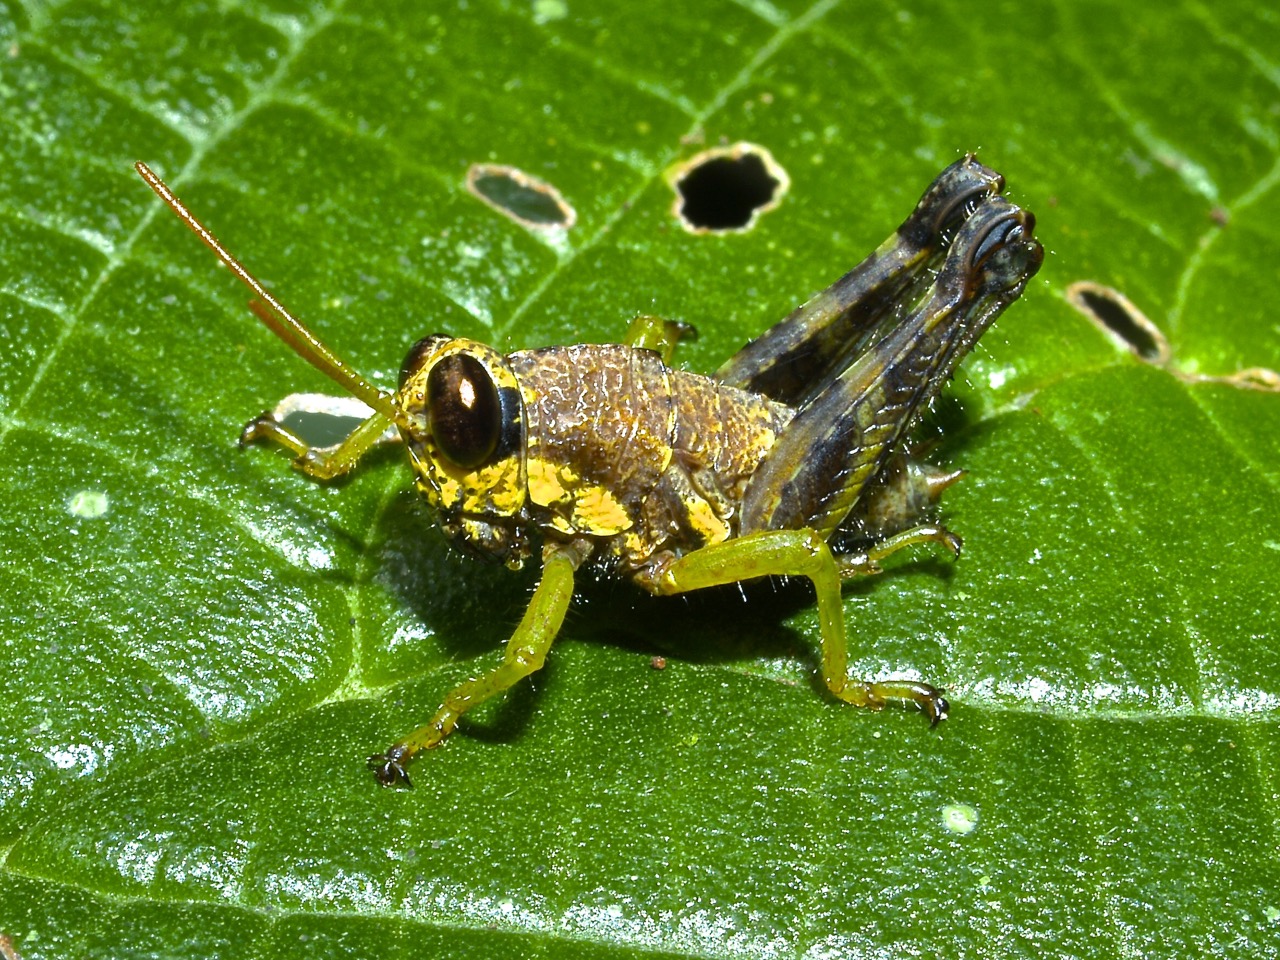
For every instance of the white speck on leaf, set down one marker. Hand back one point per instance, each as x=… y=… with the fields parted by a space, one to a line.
x=960 y=818
x=88 y=504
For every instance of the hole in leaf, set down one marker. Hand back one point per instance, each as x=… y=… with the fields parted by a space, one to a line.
x=530 y=202
x=1129 y=327
x=725 y=189
x=1120 y=319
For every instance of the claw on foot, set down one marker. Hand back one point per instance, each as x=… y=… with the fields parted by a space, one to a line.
x=928 y=698
x=936 y=708
x=258 y=428
x=875 y=695
x=389 y=767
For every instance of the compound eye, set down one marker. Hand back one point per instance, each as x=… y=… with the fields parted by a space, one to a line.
x=417 y=353
x=463 y=411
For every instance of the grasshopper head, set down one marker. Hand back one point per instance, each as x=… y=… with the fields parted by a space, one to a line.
x=462 y=420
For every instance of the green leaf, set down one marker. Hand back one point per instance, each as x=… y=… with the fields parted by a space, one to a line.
x=201 y=646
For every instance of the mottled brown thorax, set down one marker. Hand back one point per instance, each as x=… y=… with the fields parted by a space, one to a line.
x=643 y=462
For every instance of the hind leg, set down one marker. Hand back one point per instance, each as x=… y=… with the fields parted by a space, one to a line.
x=787 y=360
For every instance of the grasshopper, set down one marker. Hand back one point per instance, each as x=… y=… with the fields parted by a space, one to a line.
x=789 y=461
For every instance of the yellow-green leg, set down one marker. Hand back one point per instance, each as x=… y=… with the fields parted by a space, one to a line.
x=526 y=653
x=805 y=553
x=656 y=333
x=868 y=562
x=321 y=464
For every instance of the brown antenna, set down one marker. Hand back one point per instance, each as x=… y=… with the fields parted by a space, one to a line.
x=274 y=316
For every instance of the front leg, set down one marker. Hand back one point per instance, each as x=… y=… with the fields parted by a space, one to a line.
x=802 y=553
x=319 y=463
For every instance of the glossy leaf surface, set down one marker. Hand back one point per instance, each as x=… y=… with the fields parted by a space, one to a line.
x=200 y=646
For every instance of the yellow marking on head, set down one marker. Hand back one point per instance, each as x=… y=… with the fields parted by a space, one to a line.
x=450 y=489
x=495 y=488
x=492 y=489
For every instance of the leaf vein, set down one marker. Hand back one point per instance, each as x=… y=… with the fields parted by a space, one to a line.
x=668 y=155
x=120 y=255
